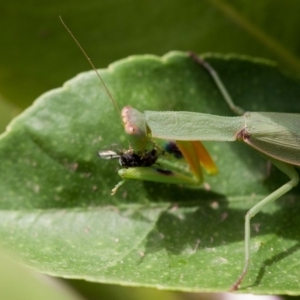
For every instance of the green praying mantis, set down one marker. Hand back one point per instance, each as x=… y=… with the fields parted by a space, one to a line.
x=273 y=134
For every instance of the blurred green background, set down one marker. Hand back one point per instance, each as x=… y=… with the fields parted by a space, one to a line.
x=37 y=54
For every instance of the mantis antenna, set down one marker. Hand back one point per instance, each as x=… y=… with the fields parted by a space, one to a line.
x=91 y=63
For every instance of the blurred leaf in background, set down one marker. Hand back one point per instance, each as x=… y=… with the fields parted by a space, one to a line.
x=37 y=54
x=18 y=283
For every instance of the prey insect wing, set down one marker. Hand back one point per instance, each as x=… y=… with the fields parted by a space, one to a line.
x=130 y=158
x=108 y=154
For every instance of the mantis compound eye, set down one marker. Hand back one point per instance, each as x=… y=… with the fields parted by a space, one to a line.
x=134 y=121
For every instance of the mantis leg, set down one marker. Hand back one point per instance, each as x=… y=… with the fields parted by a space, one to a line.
x=216 y=78
x=294 y=179
x=196 y=157
x=155 y=175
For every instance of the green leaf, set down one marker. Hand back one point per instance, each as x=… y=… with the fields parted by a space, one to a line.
x=18 y=283
x=56 y=208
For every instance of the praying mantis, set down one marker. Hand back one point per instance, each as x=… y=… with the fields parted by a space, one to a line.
x=275 y=135
x=187 y=130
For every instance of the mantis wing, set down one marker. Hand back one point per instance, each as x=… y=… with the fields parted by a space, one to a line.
x=274 y=134
x=192 y=126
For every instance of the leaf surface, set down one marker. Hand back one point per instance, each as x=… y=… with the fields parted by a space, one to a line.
x=58 y=215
